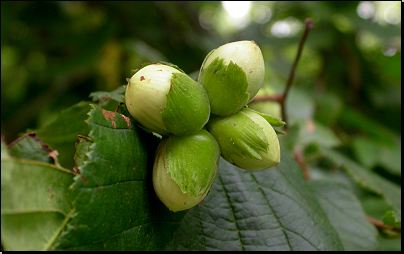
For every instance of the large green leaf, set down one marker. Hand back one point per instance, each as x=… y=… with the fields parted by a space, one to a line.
x=34 y=208
x=273 y=209
x=369 y=180
x=346 y=215
x=117 y=208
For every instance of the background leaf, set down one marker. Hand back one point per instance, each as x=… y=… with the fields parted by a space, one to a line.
x=34 y=208
x=273 y=209
x=116 y=95
x=369 y=180
x=30 y=147
x=117 y=208
x=346 y=215
x=61 y=134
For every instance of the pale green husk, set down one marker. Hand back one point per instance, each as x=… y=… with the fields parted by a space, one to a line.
x=221 y=76
x=246 y=140
x=165 y=100
x=187 y=109
x=185 y=168
x=146 y=96
x=192 y=161
x=226 y=85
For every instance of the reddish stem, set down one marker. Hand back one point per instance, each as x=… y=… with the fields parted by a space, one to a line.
x=380 y=225
x=300 y=160
x=265 y=97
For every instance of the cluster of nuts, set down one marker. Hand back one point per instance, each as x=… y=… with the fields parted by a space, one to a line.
x=203 y=120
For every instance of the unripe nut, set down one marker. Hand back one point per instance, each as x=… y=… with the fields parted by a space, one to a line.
x=246 y=140
x=165 y=100
x=232 y=75
x=185 y=168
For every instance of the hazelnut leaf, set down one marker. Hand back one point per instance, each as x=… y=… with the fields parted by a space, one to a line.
x=267 y=210
x=116 y=206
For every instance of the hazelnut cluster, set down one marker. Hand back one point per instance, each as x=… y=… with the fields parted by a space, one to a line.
x=203 y=120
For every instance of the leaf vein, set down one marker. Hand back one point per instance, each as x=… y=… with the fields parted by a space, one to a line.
x=232 y=210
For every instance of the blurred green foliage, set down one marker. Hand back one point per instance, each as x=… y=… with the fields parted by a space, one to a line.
x=54 y=54
x=348 y=81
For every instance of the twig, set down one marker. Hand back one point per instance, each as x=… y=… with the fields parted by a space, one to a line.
x=265 y=97
x=281 y=98
x=309 y=26
x=300 y=160
x=380 y=225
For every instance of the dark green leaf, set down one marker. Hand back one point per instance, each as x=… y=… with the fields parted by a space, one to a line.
x=329 y=108
x=117 y=208
x=116 y=95
x=306 y=132
x=390 y=157
x=30 y=147
x=299 y=105
x=61 y=134
x=366 y=150
x=371 y=152
x=391 y=220
x=82 y=148
x=273 y=209
x=389 y=244
x=354 y=119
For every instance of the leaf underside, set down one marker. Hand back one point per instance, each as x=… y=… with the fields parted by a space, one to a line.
x=33 y=202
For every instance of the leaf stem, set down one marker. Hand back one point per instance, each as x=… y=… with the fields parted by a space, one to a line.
x=381 y=226
x=266 y=97
x=300 y=160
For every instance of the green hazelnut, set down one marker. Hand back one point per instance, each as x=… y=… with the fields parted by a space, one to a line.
x=165 y=100
x=246 y=139
x=185 y=168
x=232 y=75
